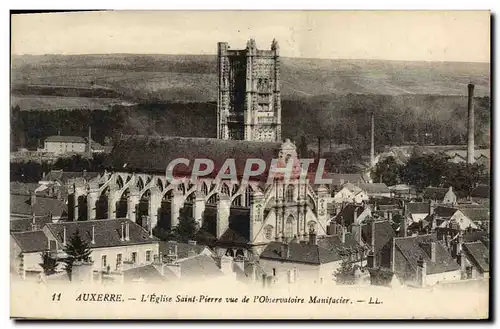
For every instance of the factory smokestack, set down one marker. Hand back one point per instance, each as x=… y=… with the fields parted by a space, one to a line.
x=372 y=148
x=470 y=126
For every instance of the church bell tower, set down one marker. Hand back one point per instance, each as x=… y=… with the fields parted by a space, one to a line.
x=249 y=101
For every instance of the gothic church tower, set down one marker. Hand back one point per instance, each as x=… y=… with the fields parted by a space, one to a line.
x=249 y=101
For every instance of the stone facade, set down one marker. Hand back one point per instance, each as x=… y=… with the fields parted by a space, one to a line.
x=249 y=101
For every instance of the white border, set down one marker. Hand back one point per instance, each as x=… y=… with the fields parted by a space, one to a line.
x=190 y=4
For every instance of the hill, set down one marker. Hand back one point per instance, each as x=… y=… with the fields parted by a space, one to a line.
x=419 y=102
x=192 y=78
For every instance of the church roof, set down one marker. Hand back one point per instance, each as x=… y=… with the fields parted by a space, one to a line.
x=154 y=154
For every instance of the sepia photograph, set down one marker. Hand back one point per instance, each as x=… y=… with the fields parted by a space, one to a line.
x=250 y=165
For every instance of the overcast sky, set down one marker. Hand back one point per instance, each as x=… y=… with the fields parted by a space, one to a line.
x=413 y=35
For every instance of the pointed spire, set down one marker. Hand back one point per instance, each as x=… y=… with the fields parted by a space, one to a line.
x=274 y=45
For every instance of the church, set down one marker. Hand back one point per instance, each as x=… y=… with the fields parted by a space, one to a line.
x=243 y=216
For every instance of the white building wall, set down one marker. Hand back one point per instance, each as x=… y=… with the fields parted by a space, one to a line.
x=432 y=279
x=305 y=273
x=64 y=147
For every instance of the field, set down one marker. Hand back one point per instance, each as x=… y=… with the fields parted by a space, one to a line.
x=193 y=78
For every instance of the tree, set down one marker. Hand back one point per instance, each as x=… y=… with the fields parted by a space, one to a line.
x=186 y=229
x=345 y=274
x=77 y=250
x=387 y=172
x=465 y=178
x=426 y=170
x=48 y=263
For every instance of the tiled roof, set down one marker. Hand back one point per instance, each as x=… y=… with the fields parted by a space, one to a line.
x=148 y=273
x=418 y=207
x=479 y=254
x=383 y=234
x=23 y=188
x=183 y=249
x=107 y=232
x=436 y=193
x=199 y=267
x=374 y=188
x=351 y=187
x=65 y=139
x=446 y=212
x=411 y=248
x=31 y=241
x=154 y=154
x=21 y=204
x=300 y=253
x=476 y=213
x=334 y=242
x=26 y=223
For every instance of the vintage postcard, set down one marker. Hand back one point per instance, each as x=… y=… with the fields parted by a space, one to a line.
x=250 y=165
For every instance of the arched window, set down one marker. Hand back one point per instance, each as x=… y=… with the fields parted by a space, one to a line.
x=119 y=182
x=212 y=199
x=224 y=189
x=235 y=189
x=181 y=188
x=290 y=191
x=159 y=183
x=248 y=196
x=168 y=195
x=268 y=232
x=204 y=189
x=140 y=184
x=289 y=227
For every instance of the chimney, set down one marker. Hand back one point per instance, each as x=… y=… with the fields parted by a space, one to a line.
x=342 y=235
x=372 y=147
x=421 y=272
x=355 y=215
x=470 y=125
x=122 y=236
x=33 y=198
x=431 y=207
x=313 y=239
x=127 y=232
x=404 y=227
x=285 y=251
x=64 y=235
x=93 y=234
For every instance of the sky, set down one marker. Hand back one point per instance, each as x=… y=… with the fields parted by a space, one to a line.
x=462 y=36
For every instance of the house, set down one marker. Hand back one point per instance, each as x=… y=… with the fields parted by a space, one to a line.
x=350 y=214
x=63 y=178
x=146 y=273
x=378 y=235
x=403 y=191
x=24 y=223
x=417 y=211
x=113 y=242
x=25 y=252
x=477 y=260
x=386 y=207
x=423 y=261
x=479 y=214
x=449 y=218
x=304 y=261
x=375 y=190
x=29 y=205
x=339 y=179
x=64 y=144
x=350 y=193
x=440 y=195
x=184 y=250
